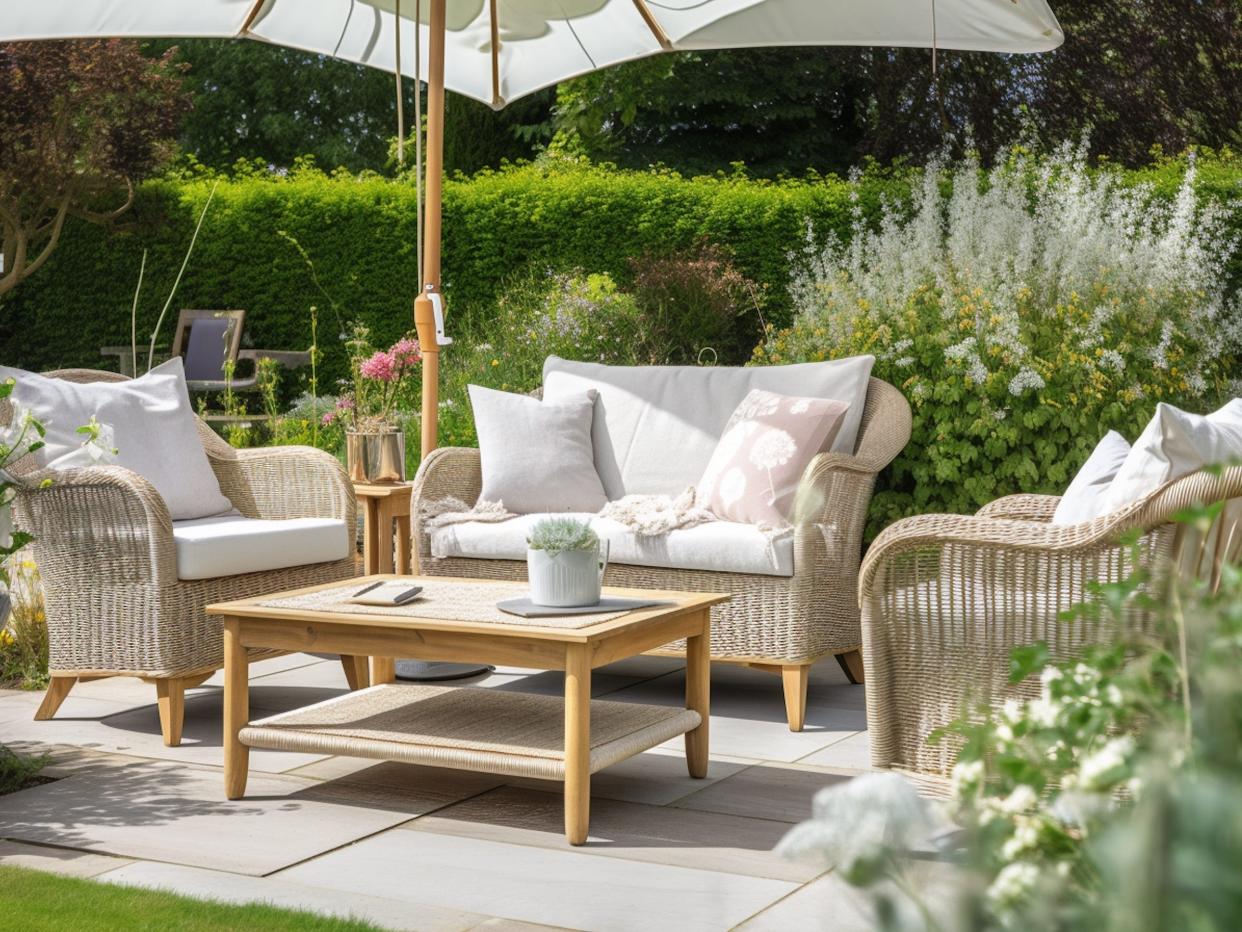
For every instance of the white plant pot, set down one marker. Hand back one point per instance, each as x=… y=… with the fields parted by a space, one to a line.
x=566 y=580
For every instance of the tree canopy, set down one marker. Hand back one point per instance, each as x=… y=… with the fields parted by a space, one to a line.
x=79 y=123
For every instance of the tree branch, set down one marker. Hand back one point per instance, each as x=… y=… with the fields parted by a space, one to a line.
x=59 y=224
x=93 y=217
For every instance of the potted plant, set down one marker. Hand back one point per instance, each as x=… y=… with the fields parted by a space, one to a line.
x=565 y=563
x=378 y=390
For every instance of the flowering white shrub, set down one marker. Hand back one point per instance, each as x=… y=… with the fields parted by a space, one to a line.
x=1024 y=310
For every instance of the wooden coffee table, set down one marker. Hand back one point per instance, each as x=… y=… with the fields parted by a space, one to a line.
x=470 y=728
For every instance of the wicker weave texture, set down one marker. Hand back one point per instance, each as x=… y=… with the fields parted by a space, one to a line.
x=946 y=598
x=782 y=620
x=104 y=545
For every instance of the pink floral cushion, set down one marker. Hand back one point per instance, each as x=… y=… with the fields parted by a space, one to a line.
x=766 y=446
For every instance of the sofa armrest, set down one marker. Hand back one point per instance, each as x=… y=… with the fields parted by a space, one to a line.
x=1021 y=508
x=448 y=472
x=285 y=482
x=96 y=526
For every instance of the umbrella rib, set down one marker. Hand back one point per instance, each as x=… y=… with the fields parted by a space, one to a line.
x=653 y=24
x=497 y=100
x=251 y=17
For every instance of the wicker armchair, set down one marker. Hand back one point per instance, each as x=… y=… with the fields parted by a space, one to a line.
x=945 y=598
x=104 y=545
x=776 y=623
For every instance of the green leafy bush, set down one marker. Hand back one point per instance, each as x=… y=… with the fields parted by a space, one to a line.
x=1024 y=311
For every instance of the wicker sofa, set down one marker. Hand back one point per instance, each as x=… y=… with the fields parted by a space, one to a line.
x=105 y=547
x=779 y=623
x=946 y=598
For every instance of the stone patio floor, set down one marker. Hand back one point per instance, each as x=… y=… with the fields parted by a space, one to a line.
x=410 y=847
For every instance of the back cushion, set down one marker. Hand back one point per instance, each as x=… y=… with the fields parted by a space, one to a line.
x=656 y=427
x=154 y=432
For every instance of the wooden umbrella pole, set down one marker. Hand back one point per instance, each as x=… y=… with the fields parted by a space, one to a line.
x=424 y=313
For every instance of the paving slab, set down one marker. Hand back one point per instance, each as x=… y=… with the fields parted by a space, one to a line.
x=166 y=812
x=852 y=753
x=658 y=834
x=530 y=884
x=233 y=888
x=58 y=860
x=765 y=791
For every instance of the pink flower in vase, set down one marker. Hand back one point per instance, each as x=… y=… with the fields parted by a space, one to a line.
x=381 y=368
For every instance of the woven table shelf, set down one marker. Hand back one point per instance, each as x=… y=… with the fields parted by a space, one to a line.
x=468 y=728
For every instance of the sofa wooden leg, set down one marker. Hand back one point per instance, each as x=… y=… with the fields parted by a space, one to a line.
x=852 y=665
x=357 y=671
x=171 y=693
x=57 y=691
x=795 y=679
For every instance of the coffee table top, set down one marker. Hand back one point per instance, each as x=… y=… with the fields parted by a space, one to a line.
x=321 y=604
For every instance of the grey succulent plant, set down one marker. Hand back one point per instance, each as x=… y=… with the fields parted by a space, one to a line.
x=562 y=535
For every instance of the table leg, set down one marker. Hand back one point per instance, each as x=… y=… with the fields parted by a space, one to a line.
x=383 y=670
x=577 y=743
x=403 y=545
x=698 y=695
x=370 y=537
x=384 y=542
x=357 y=674
x=236 y=710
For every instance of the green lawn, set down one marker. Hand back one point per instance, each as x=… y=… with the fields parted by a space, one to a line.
x=34 y=901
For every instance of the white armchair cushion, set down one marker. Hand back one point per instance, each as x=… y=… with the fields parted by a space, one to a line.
x=656 y=427
x=154 y=432
x=536 y=455
x=1084 y=499
x=719 y=546
x=230 y=545
x=1176 y=443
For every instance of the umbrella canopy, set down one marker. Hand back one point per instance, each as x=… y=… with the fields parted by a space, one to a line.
x=498 y=50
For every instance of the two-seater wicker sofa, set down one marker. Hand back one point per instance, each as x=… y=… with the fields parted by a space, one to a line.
x=780 y=623
x=104 y=543
x=946 y=598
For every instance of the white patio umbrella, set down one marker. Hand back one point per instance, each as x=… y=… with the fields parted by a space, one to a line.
x=499 y=50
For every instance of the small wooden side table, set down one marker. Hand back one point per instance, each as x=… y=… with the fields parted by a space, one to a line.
x=386 y=513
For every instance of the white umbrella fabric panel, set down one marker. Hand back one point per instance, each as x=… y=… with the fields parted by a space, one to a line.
x=542 y=42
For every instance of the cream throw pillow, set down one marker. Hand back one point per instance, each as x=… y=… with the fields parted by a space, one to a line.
x=536 y=455
x=154 y=430
x=1084 y=499
x=767 y=444
x=1176 y=443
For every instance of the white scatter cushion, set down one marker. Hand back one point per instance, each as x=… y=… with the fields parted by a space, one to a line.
x=1084 y=499
x=656 y=427
x=536 y=455
x=718 y=546
x=232 y=545
x=1176 y=443
x=154 y=431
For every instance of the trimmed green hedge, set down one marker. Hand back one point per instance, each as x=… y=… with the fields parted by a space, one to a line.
x=360 y=233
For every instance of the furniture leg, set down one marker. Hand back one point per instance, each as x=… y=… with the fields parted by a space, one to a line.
x=357 y=675
x=698 y=696
x=236 y=711
x=404 y=563
x=795 y=679
x=383 y=670
x=57 y=691
x=577 y=743
x=370 y=537
x=171 y=694
x=384 y=535
x=852 y=665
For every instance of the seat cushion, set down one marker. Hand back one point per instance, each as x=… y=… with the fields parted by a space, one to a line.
x=720 y=546
x=230 y=544
x=645 y=412
x=153 y=430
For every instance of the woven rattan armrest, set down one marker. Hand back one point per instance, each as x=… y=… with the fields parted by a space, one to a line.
x=284 y=482
x=1021 y=508
x=100 y=515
